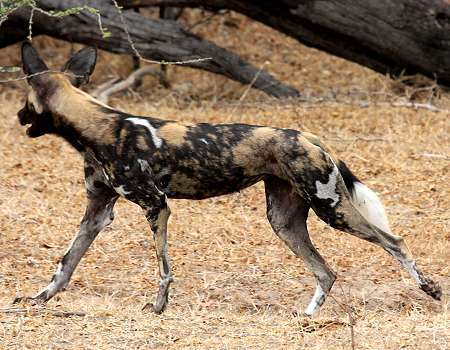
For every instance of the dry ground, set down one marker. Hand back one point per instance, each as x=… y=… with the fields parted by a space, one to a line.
x=237 y=285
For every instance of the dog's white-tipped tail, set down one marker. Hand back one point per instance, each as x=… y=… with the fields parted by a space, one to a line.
x=364 y=199
x=370 y=206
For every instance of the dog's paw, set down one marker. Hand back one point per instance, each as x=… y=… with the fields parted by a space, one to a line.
x=432 y=288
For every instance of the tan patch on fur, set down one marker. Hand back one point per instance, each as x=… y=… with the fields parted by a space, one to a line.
x=141 y=143
x=315 y=155
x=264 y=133
x=313 y=158
x=74 y=106
x=213 y=137
x=173 y=133
x=33 y=100
x=123 y=139
x=314 y=139
x=182 y=183
x=255 y=153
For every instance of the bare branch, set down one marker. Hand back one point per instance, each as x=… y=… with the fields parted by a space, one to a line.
x=414 y=105
x=345 y=306
x=160 y=42
x=104 y=91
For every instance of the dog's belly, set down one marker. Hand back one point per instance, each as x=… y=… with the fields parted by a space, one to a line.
x=201 y=186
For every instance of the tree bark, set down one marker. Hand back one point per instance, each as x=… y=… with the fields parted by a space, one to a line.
x=390 y=37
x=153 y=38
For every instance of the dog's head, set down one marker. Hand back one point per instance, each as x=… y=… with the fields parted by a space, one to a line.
x=40 y=105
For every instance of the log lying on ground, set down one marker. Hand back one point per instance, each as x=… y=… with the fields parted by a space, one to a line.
x=153 y=38
x=390 y=37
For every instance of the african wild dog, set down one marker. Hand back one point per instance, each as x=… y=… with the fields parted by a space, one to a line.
x=147 y=160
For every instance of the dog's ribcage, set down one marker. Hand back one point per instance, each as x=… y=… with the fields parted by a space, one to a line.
x=188 y=161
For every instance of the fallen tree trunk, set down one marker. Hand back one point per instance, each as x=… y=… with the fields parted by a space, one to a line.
x=390 y=37
x=153 y=38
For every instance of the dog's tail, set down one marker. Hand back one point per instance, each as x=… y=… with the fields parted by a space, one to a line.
x=364 y=199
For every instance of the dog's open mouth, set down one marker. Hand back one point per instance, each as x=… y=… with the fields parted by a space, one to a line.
x=27 y=118
x=32 y=130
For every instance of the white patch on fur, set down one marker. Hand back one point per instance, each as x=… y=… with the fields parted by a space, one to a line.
x=139 y=121
x=328 y=190
x=58 y=272
x=411 y=267
x=316 y=301
x=166 y=280
x=70 y=246
x=51 y=289
x=121 y=190
x=105 y=174
x=144 y=165
x=370 y=206
x=204 y=141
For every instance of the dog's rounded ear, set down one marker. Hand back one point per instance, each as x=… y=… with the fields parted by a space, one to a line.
x=32 y=63
x=81 y=65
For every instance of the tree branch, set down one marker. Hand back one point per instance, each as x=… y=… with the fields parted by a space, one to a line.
x=153 y=38
x=390 y=37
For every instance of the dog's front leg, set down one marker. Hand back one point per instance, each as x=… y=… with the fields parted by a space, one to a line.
x=158 y=216
x=99 y=214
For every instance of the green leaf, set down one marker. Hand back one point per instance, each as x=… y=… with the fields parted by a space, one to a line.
x=106 y=33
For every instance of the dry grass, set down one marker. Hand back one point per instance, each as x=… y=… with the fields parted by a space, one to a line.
x=237 y=285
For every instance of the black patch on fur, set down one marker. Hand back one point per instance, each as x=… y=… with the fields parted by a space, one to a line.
x=165 y=266
x=99 y=184
x=64 y=259
x=81 y=65
x=164 y=181
x=32 y=62
x=71 y=135
x=41 y=124
x=89 y=171
x=348 y=176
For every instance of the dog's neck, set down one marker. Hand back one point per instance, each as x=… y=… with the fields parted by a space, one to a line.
x=82 y=120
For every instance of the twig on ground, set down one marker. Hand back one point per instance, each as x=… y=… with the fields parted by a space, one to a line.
x=323 y=101
x=58 y=313
x=360 y=138
x=432 y=155
x=346 y=308
x=414 y=105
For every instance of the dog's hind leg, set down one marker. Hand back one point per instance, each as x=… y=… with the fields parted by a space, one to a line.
x=287 y=213
x=350 y=220
x=333 y=204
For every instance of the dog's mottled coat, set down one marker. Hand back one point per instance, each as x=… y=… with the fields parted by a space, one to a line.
x=147 y=160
